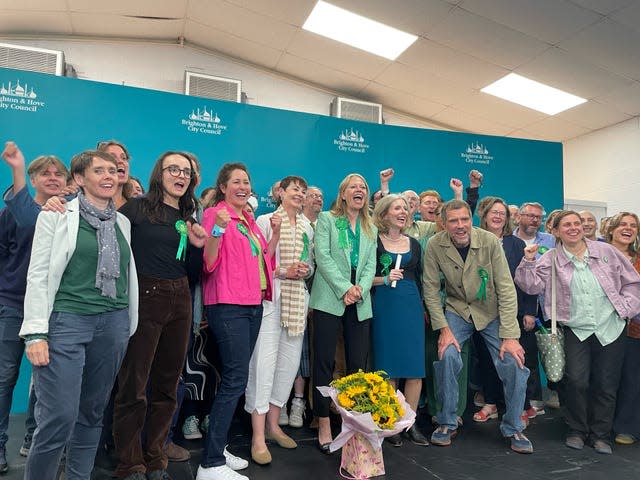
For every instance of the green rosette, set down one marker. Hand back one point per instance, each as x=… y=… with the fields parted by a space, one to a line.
x=181 y=228
x=385 y=261
x=304 y=256
x=342 y=224
x=243 y=230
x=542 y=249
x=482 y=291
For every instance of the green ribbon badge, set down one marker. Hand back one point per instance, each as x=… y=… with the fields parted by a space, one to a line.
x=181 y=228
x=342 y=224
x=385 y=261
x=542 y=249
x=304 y=256
x=254 y=248
x=482 y=291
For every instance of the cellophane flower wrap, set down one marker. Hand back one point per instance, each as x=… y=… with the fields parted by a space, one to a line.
x=368 y=405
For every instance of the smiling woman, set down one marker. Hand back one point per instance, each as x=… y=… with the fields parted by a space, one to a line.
x=81 y=305
x=345 y=252
x=598 y=289
x=398 y=333
x=167 y=244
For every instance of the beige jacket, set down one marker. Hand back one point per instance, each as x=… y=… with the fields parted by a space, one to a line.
x=463 y=280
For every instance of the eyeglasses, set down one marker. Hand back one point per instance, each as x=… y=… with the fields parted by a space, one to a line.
x=532 y=216
x=175 y=171
x=317 y=196
x=498 y=213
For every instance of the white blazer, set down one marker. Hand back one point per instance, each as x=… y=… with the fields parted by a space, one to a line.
x=54 y=242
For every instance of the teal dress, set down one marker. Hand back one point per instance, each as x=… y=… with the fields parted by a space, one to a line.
x=398 y=326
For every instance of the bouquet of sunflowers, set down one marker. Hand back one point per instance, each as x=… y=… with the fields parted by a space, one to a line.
x=370 y=411
x=370 y=393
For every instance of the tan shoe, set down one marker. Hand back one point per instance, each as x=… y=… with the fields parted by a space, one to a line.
x=175 y=453
x=261 y=458
x=284 y=440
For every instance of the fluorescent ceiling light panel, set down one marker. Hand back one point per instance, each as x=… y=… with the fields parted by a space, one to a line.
x=360 y=32
x=532 y=94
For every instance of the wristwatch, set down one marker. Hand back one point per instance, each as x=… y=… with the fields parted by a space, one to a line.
x=217 y=231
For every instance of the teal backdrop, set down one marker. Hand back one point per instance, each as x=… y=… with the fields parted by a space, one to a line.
x=45 y=114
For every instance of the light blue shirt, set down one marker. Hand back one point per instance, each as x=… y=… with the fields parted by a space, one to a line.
x=591 y=310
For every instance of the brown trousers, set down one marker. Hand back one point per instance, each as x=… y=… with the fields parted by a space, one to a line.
x=154 y=359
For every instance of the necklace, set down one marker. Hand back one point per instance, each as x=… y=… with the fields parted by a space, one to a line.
x=395 y=240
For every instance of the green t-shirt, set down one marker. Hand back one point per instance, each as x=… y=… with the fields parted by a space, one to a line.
x=77 y=292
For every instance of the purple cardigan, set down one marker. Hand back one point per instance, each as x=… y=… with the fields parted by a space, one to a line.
x=615 y=274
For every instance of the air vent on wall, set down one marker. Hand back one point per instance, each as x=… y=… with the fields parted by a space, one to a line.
x=208 y=86
x=31 y=59
x=356 y=110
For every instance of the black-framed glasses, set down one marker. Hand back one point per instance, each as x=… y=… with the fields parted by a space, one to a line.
x=532 y=216
x=175 y=171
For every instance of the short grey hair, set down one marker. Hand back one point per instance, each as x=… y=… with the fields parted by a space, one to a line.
x=531 y=204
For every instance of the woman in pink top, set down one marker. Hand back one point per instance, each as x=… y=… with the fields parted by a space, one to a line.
x=237 y=277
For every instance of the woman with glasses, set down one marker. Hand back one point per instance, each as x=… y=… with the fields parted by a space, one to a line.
x=166 y=242
x=495 y=217
x=597 y=291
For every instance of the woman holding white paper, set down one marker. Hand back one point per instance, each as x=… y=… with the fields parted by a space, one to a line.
x=398 y=326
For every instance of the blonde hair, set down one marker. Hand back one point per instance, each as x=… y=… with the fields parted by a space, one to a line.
x=382 y=208
x=339 y=208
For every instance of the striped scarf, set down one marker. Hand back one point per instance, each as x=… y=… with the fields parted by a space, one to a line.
x=292 y=314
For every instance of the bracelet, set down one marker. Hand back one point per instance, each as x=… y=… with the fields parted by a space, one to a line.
x=385 y=279
x=217 y=231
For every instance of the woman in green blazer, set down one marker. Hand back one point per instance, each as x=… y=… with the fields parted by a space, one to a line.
x=345 y=252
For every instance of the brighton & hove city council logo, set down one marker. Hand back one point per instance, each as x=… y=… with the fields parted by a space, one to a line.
x=19 y=97
x=477 y=153
x=351 y=140
x=204 y=121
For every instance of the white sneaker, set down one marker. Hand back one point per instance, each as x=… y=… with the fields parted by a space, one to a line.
x=190 y=429
x=218 y=473
x=296 y=415
x=283 y=419
x=233 y=462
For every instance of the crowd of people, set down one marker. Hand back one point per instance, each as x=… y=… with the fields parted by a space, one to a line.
x=149 y=313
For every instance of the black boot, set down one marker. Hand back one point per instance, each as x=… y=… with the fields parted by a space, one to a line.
x=395 y=440
x=417 y=437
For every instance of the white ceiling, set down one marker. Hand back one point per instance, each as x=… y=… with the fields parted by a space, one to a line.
x=586 y=47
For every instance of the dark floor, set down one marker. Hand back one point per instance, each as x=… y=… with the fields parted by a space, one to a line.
x=479 y=452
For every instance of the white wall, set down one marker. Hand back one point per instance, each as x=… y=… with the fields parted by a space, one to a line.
x=604 y=166
x=162 y=66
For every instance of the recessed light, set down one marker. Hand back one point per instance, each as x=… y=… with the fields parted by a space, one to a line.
x=358 y=31
x=529 y=93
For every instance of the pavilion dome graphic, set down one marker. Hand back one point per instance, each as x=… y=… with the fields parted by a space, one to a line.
x=351 y=135
x=477 y=148
x=204 y=115
x=18 y=90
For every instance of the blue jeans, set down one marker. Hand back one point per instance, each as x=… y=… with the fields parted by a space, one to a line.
x=11 y=350
x=85 y=353
x=514 y=379
x=235 y=328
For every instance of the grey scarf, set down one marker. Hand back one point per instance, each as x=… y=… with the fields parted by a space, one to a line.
x=104 y=221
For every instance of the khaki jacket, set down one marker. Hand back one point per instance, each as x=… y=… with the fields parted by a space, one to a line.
x=462 y=283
